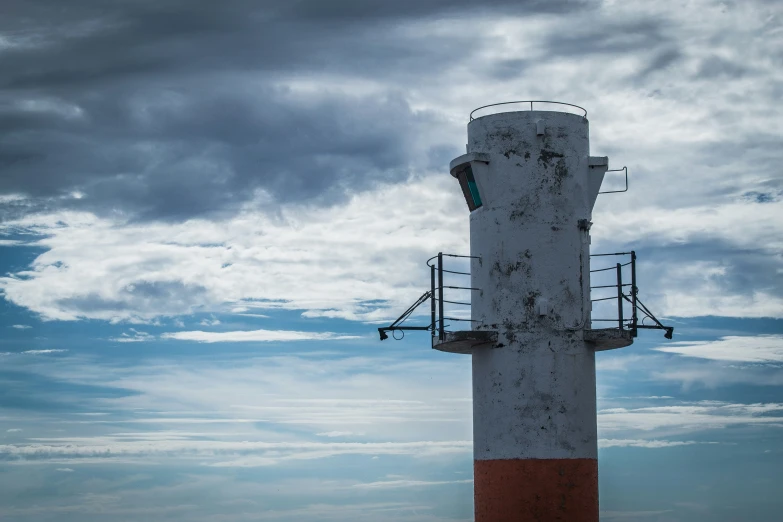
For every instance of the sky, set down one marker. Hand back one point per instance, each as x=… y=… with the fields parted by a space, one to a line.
x=207 y=209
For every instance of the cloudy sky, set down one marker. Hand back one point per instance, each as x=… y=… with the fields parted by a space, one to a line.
x=207 y=208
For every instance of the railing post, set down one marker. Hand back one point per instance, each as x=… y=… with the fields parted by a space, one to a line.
x=441 y=335
x=432 y=298
x=620 y=295
x=634 y=290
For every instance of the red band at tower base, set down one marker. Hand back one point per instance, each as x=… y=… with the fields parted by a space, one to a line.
x=540 y=490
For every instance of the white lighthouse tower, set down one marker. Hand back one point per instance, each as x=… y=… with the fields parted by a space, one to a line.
x=534 y=403
x=530 y=184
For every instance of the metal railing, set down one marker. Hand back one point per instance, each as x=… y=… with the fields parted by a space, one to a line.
x=624 y=169
x=437 y=297
x=618 y=290
x=619 y=287
x=621 y=297
x=531 y=102
x=438 y=316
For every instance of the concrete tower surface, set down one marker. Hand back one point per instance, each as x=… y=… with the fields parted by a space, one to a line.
x=533 y=185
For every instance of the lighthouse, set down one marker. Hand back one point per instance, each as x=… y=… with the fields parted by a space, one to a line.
x=534 y=401
x=530 y=183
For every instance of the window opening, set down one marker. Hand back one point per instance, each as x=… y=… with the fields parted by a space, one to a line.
x=469 y=188
x=473 y=188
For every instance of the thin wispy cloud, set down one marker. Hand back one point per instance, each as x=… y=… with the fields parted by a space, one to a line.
x=223 y=453
x=635 y=515
x=255 y=336
x=750 y=349
x=133 y=336
x=649 y=444
x=690 y=417
x=409 y=483
x=337 y=434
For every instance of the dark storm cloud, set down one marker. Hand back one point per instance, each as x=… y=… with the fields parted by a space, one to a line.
x=716 y=67
x=508 y=69
x=660 y=61
x=599 y=37
x=182 y=151
x=364 y=10
x=743 y=272
x=169 y=109
x=648 y=39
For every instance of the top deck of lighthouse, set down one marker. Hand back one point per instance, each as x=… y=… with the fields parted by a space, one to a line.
x=530 y=184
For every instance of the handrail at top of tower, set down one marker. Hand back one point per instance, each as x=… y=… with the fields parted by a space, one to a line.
x=610 y=267
x=531 y=102
x=612 y=254
x=452 y=255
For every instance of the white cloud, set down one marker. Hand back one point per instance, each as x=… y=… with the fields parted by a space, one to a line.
x=135 y=336
x=11 y=198
x=647 y=397
x=13 y=430
x=254 y=336
x=189 y=267
x=611 y=515
x=691 y=372
x=750 y=349
x=328 y=261
x=337 y=434
x=385 y=484
x=644 y=443
x=689 y=417
x=20 y=326
x=43 y=352
x=222 y=453
x=691 y=282
x=65 y=470
x=610 y=362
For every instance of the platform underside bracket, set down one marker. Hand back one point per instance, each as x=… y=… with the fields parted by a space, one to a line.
x=608 y=338
x=465 y=341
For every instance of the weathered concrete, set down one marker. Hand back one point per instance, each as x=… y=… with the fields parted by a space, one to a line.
x=534 y=393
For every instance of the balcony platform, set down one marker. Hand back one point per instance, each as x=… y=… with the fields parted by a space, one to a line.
x=466 y=341
x=608 y=338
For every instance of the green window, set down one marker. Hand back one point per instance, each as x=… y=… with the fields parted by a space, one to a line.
x=469 y=188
